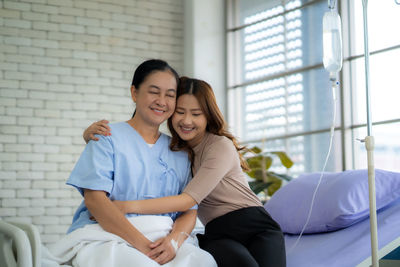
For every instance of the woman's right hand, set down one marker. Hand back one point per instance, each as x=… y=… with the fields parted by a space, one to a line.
x=98 y=127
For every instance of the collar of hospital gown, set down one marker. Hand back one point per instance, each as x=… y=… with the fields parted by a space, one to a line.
x=127 y=168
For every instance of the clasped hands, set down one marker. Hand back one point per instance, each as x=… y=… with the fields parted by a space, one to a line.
x=161 y=251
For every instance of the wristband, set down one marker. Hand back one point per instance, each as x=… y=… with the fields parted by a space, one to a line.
x=184 y=233
x=174 y=244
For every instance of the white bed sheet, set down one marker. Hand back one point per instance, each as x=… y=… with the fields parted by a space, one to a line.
x=347 y=247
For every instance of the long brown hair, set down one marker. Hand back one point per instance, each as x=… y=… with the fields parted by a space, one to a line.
x=215 y=120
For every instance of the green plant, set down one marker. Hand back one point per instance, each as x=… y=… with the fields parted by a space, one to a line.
x=259 y=163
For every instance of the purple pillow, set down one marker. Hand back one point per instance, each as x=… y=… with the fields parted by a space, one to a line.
x=341 y=200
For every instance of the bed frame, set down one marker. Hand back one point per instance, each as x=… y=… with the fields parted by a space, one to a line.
x=382 y=253
x=20 y=245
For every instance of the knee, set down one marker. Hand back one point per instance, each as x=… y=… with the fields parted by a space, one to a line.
x=237 y=260
x=231 y=257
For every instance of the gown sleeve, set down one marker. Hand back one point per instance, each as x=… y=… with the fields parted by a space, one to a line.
x=95 y=167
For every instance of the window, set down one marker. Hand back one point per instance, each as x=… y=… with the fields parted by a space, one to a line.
x=279 y=94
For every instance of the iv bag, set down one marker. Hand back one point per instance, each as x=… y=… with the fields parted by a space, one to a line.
x=332 y=42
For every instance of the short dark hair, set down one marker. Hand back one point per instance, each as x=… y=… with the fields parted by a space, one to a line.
x=150 y=66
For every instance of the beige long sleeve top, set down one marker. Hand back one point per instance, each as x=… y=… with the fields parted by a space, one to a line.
x=219 y=185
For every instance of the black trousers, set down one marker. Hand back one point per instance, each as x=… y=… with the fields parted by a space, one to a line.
x=245 y=238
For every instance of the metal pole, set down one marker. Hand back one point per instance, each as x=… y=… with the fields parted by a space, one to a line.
x=369 y=145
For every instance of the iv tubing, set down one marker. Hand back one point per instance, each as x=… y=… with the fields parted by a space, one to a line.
x=332 y=132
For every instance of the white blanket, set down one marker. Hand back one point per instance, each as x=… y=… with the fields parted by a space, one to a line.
x=91 y=246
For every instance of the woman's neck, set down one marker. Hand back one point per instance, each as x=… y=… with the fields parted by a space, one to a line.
x=197 y=140
x=150 y=134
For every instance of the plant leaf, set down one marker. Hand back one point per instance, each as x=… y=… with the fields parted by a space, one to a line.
x=254 y=162
x=276 y=183
x=268 y=162
x=281 y=176
x=285 y=160
x=255 y=173
x=255 y=150
x=258 y=186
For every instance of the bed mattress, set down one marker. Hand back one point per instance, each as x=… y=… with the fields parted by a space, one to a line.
x=347 y=247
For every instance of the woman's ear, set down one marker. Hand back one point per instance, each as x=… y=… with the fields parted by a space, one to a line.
x=133 y=93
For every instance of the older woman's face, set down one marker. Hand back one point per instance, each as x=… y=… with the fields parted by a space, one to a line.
x=155 y=98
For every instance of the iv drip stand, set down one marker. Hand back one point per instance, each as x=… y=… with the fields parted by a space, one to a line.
x=369 y=145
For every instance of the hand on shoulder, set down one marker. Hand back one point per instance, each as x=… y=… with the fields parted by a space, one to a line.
x=98 y=127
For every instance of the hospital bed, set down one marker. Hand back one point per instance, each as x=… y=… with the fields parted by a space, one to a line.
x=347 y=247
x=337 y=245
x=338 y=229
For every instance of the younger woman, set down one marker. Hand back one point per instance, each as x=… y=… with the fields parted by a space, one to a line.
x=238 y=231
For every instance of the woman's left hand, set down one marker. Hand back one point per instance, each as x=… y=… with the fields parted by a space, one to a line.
x=162 y=250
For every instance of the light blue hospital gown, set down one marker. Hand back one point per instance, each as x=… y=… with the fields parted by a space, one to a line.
x=127 y=168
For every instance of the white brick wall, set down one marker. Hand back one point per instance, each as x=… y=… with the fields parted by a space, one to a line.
x=63 y=65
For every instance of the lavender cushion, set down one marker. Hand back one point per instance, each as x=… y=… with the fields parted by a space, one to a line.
x=341 y=200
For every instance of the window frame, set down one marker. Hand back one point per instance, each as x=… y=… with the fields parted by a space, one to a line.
x=345 y=126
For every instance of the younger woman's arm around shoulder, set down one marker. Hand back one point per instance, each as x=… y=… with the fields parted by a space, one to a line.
x=182 y=202
x=218 y=159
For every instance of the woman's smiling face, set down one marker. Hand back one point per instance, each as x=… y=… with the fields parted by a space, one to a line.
x=189 y=120
x=156 y=97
